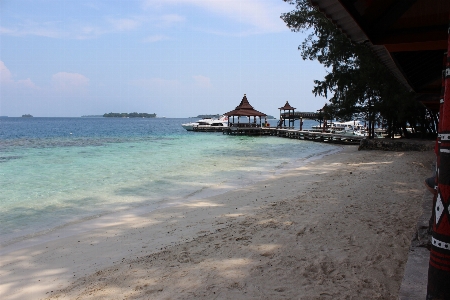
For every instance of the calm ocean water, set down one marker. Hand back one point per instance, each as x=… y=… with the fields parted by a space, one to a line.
x=60 y=171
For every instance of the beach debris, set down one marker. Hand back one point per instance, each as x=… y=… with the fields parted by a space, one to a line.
x=183 y=257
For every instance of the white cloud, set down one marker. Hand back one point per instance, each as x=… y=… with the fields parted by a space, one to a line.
x=170 y=19
x=74 y=30
x=27 y=83
x=154 y=38
x=202 y=81
x=124 y=24
x=69 y=82
x=71 y=27
x=5 y=74
x=264 y=15
x=55 y=30
x=29 y=27
x=6 y=79
x=44 y=32
x=87 y=32
x=91 y=5
x=6 y=31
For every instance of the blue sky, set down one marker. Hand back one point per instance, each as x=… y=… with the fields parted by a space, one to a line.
x=175 y=58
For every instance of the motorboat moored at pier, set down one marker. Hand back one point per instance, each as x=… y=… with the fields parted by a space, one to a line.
x=207 y=123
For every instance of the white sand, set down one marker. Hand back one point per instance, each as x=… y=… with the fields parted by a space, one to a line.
x=337 y=228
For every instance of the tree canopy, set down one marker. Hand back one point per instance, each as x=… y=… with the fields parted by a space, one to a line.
x=356 y=83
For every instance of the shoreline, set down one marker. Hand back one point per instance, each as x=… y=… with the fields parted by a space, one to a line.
x=277 y=238
x=104 y=219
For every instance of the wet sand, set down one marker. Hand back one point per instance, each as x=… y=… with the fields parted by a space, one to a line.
x=337 y=228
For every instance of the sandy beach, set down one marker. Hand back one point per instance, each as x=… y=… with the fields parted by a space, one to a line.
x=339 y=227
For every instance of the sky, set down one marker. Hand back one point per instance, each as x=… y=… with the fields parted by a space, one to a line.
x=175 y=58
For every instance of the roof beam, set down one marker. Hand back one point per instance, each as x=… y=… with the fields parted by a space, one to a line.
x=415 y=39
x=422 y=46
x=389 y=17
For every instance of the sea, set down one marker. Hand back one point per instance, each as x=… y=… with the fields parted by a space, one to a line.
x=61 y=172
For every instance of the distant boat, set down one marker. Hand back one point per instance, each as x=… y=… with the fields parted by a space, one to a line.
x=27 y=116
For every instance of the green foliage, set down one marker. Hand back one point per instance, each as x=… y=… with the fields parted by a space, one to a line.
x=130 y=115
x=356 y=82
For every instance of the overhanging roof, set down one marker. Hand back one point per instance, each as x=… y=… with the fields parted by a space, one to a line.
x=408 y=36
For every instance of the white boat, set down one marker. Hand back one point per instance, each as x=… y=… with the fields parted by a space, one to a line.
x=222 y=122
x=349 y=127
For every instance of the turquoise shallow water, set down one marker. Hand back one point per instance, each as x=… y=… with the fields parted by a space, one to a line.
x=58 y=171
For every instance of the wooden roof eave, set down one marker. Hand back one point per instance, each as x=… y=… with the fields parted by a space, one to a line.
x=244 y=109
x=287 y=106
x=242 y=113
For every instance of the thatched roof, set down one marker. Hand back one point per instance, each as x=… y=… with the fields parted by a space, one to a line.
x=287 y=106
x=244 y=109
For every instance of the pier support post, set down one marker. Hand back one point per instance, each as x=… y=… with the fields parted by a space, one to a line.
x=439 y=265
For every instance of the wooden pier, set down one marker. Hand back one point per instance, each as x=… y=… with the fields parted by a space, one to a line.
x=295 y=134
x=208 y=128
x=244 y=109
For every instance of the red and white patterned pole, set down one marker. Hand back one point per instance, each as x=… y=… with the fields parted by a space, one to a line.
x=439 y=266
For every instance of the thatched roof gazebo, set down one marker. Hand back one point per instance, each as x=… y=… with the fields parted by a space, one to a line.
x=244 y=109
x=287 y=114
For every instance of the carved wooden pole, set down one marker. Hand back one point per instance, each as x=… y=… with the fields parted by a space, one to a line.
x=439 y=266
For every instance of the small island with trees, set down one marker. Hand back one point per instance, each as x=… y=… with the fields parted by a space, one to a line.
x=129 y=115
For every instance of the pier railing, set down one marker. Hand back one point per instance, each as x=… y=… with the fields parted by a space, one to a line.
x=295 y=134
x=304 y=115
x=245 y=125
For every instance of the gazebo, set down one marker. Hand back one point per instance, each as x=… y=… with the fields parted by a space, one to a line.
x=289 y=115
x=244 y=109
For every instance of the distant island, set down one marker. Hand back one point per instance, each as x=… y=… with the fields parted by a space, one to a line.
x=207 y=116
x=27 y=116
x=130 y=115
